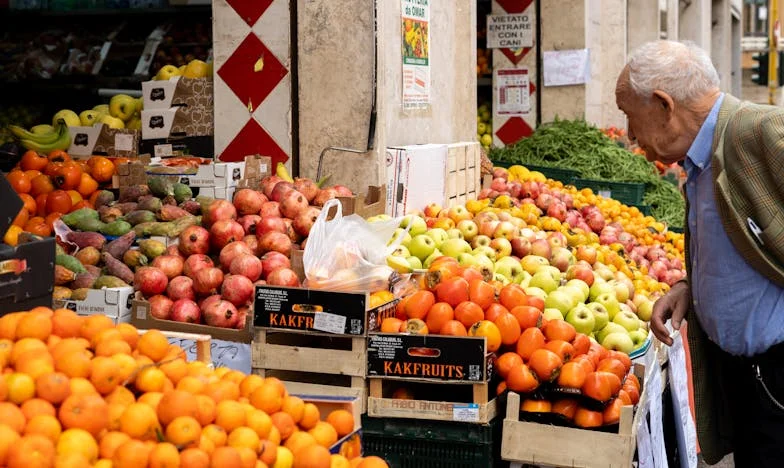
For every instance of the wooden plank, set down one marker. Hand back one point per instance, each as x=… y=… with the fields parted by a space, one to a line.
x=311 y=359
x=424 y=409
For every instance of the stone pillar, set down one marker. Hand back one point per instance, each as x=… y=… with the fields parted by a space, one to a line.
x=643 y=22
x=672 y=19
x=721 y=41
x=694 y=22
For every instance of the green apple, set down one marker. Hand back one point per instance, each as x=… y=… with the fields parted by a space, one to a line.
x=619 y=342
x=70 y=117
x=112 y=122
x=582 y=286
x=400 y=232
x=42 y=129
x=484 y=261
x=399 y=264
x=436 y=253
x=401 y=251
x=122 y=106
x=502 y=247
x=418 y=225
x=621 y=290
x=581 y=318
x=610 y=328
x=455 y=233
x=627 y=320
x=638 y=337
x=552 y=314
x=598 y=288
x=454 y=247
x=575 y=292
x=481 y=241
x=603 y=271
x=560 y=300
x=467 y=259
x=468 y=228
x=543 y=280
x=438 y=235
x=486 y=251
x=89 y=118
x=526 y=280
x=166 y=72
x=414 y=262
x=600 y=315
x=422 y=246
x=532 y=263
x=376 y=219
x=534 y=291
x=509 y=268
x=501 y=279
x=610 y=303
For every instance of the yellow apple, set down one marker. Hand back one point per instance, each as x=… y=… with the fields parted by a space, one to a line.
x=166 y=72
x=134 y=124
x=122 y=107
x=139 y=105
x=88 y=118
x=196 y=69
x=70 y=117
x=102 y=109
x=112 y=122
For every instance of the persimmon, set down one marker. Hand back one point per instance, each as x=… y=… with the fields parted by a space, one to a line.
x=509 y=327
x=453 y=291
x=505 y=362
x=29 y=203
x=512 y=295
x=19 y=181
x=490 y=331
x=535 y=301
x=415 y=326
x=612 y=365
x=101 y=169
x=632 y=392
x=33 y=160
x=454 y=328
x=612 y=412
x=521 y=379
x=39 y=185
x=530 y=340
x=527 y=316
x=472 y=274
x=442 y=269
x=418 y=304
x=481 y=293
x=546 y=364
x=632 y=380
x=563 y=349
x=58 y=156
x=439 y=314
x=501 y=388
x=622 y=357
x=494 y=311
x=58 y=201
x=531 y=405
x=39 y=229
x=601 y=386
x=566 y=407
x=623 y=395
x=559 y=330
x=586 y=362
x=87 y=185
x=584 y=417
x=572 y=375
x=597 y=352
x=581 y=344
x=21 y=218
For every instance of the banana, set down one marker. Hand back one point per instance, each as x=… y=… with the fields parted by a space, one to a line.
x=41 y=138
x=62 y=142
x=281 y=172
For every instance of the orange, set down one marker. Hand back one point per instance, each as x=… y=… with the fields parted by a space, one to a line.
x=216 y=434
x=120 y=396
x=325 y=434
x=127 y=366
x=299 y=440
x=88 y=412
x=164 y=455
x=131 y=454
x=67 y=345
x=75 y=364
x=105 y=375
x=175 y=370
x=224 y=457
x=12 y=416
x=183 y=431
x=151 y=399
x=191 y=384
x=78 y=441
x=342 y=421
x=150 y=379
x=8 y=438
x=21 y=387
x=248 y=458
x=314 y=456
x=82 y=386
x=373 y=462
x=34 y=326
x=110 y=442
x=8 y=325
x=35 y=406
x=260 y=422
x=284 y=423
x=94 y=324
x=249 y=384
x=153 y=344
x=310 y=416
x=35 y=363
x=31 y=451
x=176 y=403
x=268 y=452
x=230 y=415
x=70 y=460
x=207 y=410
x=140 y=421
x=267 y=398
x=194 y=458
x=222 y=390
x=115 y=411
x=339 y=461
x=45 y=425
x=26 y=345
x=243 y=437
x=294 y=406
x=112 y=347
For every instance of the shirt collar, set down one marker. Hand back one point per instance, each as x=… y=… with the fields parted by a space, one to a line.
x=700 y=150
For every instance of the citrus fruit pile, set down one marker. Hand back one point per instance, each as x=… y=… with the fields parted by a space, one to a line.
x=81 y=392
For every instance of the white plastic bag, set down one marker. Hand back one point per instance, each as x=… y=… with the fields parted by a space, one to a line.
x=347 y=253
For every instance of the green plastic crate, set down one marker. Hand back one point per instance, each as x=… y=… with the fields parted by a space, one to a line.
x=677 y=229
x=628 y=193
x=556 y=173
x=417 y=443
x=644 y=209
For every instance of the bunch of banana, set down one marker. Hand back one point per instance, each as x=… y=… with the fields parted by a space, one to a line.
x=56 y=139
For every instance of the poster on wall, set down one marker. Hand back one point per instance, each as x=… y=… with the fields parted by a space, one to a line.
x=416 y=53
x=512 y=91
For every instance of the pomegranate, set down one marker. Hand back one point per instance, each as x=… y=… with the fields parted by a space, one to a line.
x=248 y=201
x=272 y=223
x=248 y=223
x=276 y=241
x=272 y=261
x=224 y=232
x=243 y=313
x=207 y=281
x=343 y=191
x=185 y=310
x=324 y=195
x=208 y=300
x=232 y=250
x=283 y=277
x=268 y=184
x=160 y=306
x=219 y=210
x=306 y=187
x=195 y=263
x=220 y=314
x=260 y=283
x=170 y=265
x=253 y=243
x=180 y=287
x=237 y=289
x=292 y=204
x=194 y=240
x=280 y=191
x=270 y=209
x=173 y=250
x=248 y=266
x=150 y=281
x=305 y=220
x=290 y=231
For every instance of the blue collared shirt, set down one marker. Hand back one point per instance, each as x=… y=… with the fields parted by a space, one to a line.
x=740 y=309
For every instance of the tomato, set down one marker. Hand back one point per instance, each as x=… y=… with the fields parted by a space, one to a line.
x=468 y=313
x=58 y=202
x=439 y=314
x=506 y=362
x=545 y=364
x=32 y=160
x=601 y=386
x=530 y=405
x=19 y=181
x=581 y=344
x=494 y=311
x=559 y=330
x=419 y=303
x=612 y=412
x=563 y=349
x=67 y=176
x=520 y=379
x=489 y=330
x=584 y=417
x=572 y=375
x=613 y=366
x=530 y=340
x=512 y=295
x=87 y=185
x=527 y=316
x=566 y=407
x=481 y=293
x=41 y=184
x=453 y=291
x=454 y=328
x=58 y=156
x=101 y=169
x=509 y=327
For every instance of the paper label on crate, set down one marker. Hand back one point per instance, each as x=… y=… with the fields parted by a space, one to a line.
x=162 y=151
x=229 y=354
x=466 y=413
x=606 y=193
x=330 y=323
x=123 y=142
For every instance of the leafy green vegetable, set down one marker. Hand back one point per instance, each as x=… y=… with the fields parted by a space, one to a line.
x=578 y=145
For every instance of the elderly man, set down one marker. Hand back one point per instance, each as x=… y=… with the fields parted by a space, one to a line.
x=733 y=300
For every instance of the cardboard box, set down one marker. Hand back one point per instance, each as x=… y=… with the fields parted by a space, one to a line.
x=177 y=91
x=103 y=140
x=317 y=311
x=214 y=175
x=257 y=167
x=372 y=204
x=141 y=318
x=114 y=303
x=415 y=177
x=218 y=193
x=462 y=173
x=179 y=121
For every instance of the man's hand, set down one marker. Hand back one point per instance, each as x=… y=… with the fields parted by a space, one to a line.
x=672 y=305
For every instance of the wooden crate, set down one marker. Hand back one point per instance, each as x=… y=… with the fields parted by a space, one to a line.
x=542 y=444
x=480 y=409
x=462 y=173
x=203 y=343
x=313 y=363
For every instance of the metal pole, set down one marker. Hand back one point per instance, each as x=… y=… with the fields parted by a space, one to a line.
x=773 y=49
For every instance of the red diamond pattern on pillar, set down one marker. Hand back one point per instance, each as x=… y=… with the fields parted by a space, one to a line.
x=531 y=87
x=514 y=6
x=250 y=10
x=250 y=86
x=252 y=139
x=516 y=55
x=513 y=130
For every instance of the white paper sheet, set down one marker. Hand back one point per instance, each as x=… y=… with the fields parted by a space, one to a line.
x=684 y=423
x=566 y=67
x=654 y=383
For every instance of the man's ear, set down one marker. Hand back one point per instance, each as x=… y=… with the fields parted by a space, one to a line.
x=664 y=100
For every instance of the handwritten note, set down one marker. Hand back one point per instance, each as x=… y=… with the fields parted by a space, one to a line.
x=685 y=431
x=566 y=67
x=224 y=353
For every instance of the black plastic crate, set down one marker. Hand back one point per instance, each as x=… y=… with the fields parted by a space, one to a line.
x=410 y=443
x=629 y=193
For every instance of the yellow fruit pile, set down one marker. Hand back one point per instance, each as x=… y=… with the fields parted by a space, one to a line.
x=81 y=392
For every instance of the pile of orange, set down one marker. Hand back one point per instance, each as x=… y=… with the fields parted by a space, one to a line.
x=53 y=185
x=81 y=392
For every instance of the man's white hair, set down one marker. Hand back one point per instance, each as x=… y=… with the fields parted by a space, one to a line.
x=681 y=69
